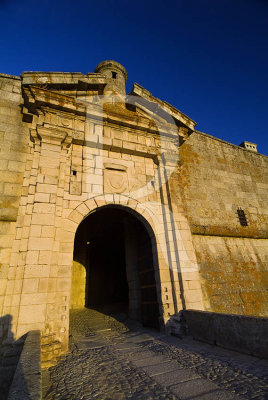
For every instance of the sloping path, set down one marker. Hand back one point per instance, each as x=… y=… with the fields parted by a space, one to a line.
x=111 y=360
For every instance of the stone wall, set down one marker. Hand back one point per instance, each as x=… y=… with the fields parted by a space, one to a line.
x=78 y=287
x=14 y=139
x=234 y=273
x=215 y=179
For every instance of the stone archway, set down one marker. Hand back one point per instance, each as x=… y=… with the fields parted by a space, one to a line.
x=51 y=307
x=115 y=267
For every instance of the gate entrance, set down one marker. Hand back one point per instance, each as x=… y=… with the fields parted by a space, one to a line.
x=114 y=265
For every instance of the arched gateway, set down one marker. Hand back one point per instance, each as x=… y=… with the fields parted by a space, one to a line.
x=116 y=265
x=100 y=218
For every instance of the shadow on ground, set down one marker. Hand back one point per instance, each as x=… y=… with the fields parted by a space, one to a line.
x=10 y=351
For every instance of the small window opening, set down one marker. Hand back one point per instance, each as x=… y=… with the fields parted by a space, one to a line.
x=242 y=217
x=74 y=172
x=114 y=74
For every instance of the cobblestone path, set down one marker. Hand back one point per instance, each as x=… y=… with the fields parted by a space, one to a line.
x=113 y=360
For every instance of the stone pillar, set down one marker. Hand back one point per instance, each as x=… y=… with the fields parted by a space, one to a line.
x=43 y=288
x=181 y=256
x=168 y=263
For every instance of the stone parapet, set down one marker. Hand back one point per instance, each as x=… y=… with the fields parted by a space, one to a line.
x=241 y=333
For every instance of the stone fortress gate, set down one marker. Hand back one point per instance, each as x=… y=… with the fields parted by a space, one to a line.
x=97 y=213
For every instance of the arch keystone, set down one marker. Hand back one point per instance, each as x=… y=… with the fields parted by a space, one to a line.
x=109 y=198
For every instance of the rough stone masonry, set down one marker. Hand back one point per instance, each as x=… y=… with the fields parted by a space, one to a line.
x=113 y=197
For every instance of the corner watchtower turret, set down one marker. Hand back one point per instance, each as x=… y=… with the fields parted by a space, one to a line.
x=116 y=76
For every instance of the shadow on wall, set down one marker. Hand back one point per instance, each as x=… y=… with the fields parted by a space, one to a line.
x=10 y=351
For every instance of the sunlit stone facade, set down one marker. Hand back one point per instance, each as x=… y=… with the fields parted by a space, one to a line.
x=75 y=144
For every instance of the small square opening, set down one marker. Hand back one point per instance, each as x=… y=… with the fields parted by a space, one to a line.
x=242 y=217
x=74 y=172
x=114 y=74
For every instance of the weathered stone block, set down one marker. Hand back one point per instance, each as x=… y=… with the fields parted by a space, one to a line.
x=40 y=243
x=32 y=314
x=30 y=285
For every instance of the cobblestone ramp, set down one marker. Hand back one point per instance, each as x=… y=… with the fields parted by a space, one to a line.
x=114 y=358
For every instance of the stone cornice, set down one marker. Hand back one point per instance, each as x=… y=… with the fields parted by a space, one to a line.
x=40 y=99
x=17 y=78
x=61 y=78
x=35 y=97
x=144 y=94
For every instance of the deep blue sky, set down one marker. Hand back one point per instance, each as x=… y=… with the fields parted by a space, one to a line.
x=208 y=58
